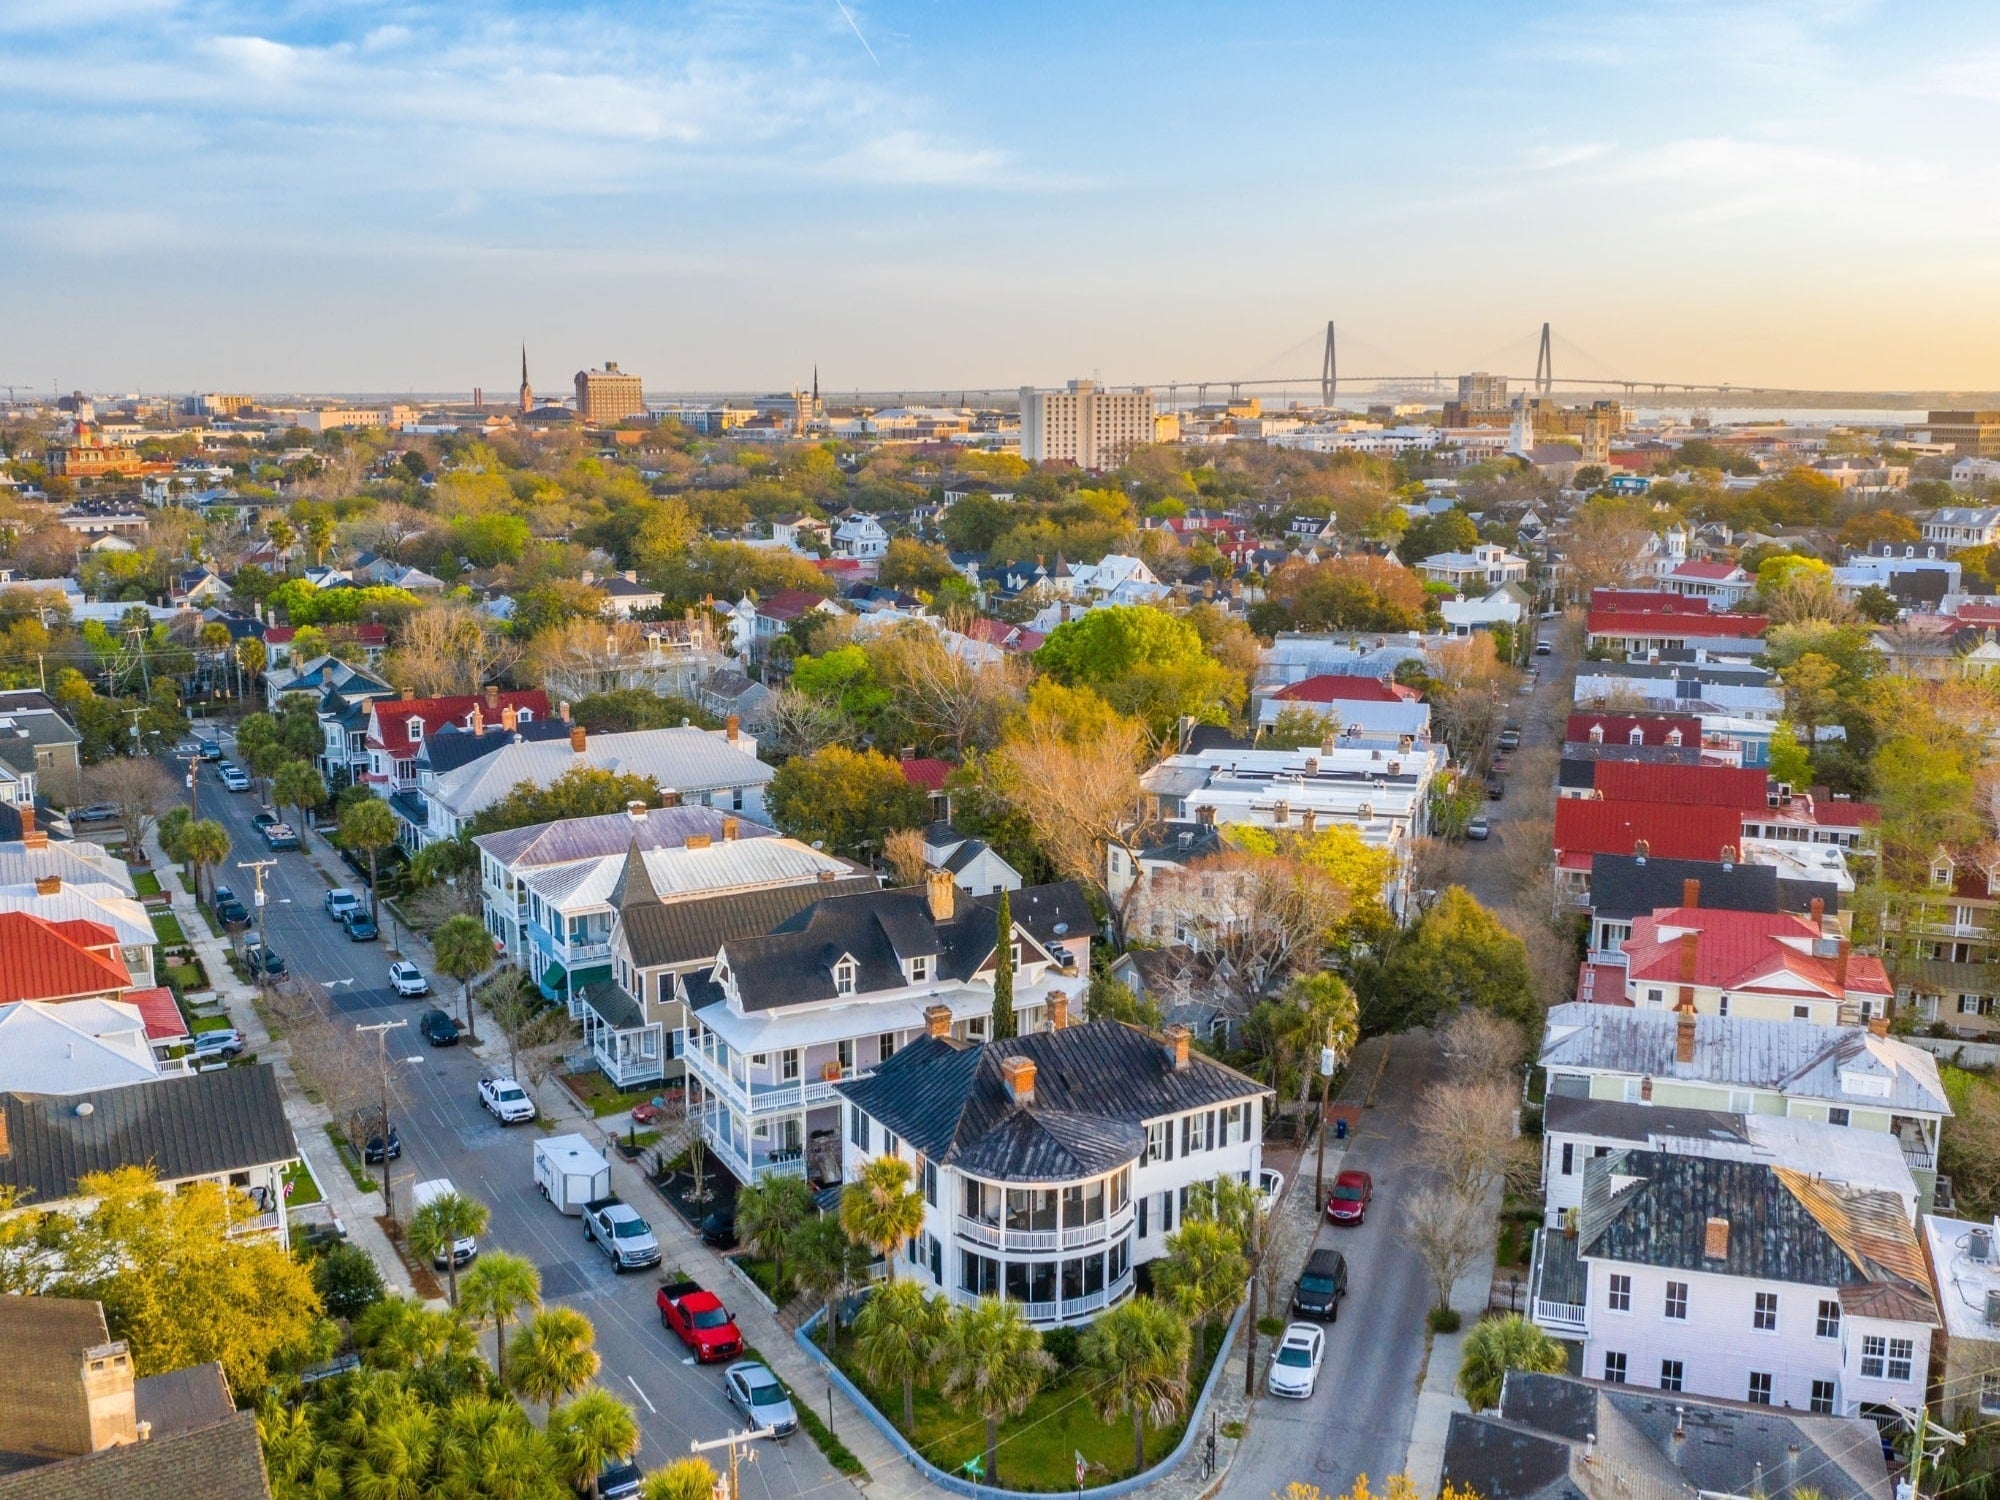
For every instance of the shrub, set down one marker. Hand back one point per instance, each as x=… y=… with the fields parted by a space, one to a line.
x=347 y=1281
x=1063 y=1345
x=1445 y=1320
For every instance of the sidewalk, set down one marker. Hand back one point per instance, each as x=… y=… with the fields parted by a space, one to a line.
x=355 y=1210
x=1439 y=1398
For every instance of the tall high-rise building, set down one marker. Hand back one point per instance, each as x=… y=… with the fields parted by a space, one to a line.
x=1482 y=392
x=1083 y=425
x=608 y=395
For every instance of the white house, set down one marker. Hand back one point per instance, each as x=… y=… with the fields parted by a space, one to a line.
x=860 y=537
x=1964 y=1260
x=972 y=863
x=1054 y=1163
x=1964 y=526
x=1485 y=564
x=1740 y=1280
x=1463 y=617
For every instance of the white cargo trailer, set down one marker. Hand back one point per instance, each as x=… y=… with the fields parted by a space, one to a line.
x=569 y=1172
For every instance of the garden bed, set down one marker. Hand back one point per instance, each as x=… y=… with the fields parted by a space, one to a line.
x=601 y=1097
x=183 y=978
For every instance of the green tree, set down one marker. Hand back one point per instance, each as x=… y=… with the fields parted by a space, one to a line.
x=769 y=1215
x=897 y=1334
x=1449 y=531
x=369 y=828
x=825 y=1263
x=590 y=1432
x=463 y=949
x=298 y=786
x=1456 y=954
x=402 y=1334
x=1004 y=1026
x=204 y=845
x=171 y=830
x=1789 y=761
x=845 y=676
x=555 y=1355
x=1137 y=1355
x=1145 y=662
x=881 y=1209
x=1497 y=1345
x=1811 y=699
x=1202 y=1273
x=683 y=1479
x=992 y=1362
x=847 y=801
x=440 y=1224
x=625 y=709
x=581 y=792
x=494 y=1291
x=346 y=1278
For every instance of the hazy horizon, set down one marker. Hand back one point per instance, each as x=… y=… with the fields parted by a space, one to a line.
x=378 y=197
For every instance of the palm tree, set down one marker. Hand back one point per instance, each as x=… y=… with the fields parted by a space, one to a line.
x=1202 y=1272
x=489 y=1450
x=825 y=1264
x=395 y=1457
x=593 y=1430
x=438 y=1227
x=1498 y=1345
x=204 y=845
x=498 y=1287
x=683 y=1479
x=399 y=1334
x=896 y=1334
x=170 y=830
x=993 y=1363
x=369 y=827
x=554 y=1355
x=880 y=1208
x=768 y=1214
x=463 y=949
x=1138 y=1358
x=297 y=785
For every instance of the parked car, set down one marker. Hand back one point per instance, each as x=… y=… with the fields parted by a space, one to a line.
x=620 y=1482
x=97 y=812
x=361 y=927
x=371 y=1153
x=761 y=1397
x=281 y=836
x=1543 y=648
x=209 y=750
x=1320 y=1286
x=506 y=1100
x=718 y=1227
x=1348 y=1202
x=619 y=1230
x=261 y=956
x=1495 y=788
x=1479 y=828
x=339 y=902
x=408 y=979
x=465 y=1249
x=1295 y=1369
x=698 y=1318
x=437 y=1028
x=227 y=908
x=264 y=817
x=212 y=1045
x=1510 y=737
x=235 y=778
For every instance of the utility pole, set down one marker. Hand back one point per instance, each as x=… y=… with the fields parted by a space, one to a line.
x=1329 y=1060
x=135 y=713
x=257 y=867
x=382 y=1030
x=740 y=1452
x=1919 y=1419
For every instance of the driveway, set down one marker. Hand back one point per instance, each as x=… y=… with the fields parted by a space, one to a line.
x=1359 y=1420
x=447 y=1134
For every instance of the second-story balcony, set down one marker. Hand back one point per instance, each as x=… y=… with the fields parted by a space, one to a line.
x=1558 y=1285
x=730 y=1080
x=1044 y=1240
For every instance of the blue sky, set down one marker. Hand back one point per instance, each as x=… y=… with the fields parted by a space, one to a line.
x=356 y=195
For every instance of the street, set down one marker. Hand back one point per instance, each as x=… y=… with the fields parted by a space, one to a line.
x=446 y=1133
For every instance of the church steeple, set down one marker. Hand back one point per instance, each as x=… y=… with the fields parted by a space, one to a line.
x=527 y=391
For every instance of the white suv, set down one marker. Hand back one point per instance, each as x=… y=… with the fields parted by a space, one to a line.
x=408 y=979
x=506 y=1100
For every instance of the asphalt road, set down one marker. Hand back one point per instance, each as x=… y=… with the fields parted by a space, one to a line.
x=446 y=1133
x=1482 y=868
x=1358 y=1420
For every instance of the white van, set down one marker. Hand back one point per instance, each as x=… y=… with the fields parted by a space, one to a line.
x=426 y=1193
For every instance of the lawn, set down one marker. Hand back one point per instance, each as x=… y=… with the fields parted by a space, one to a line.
x=1038 y=1448
x=300 y=1189
x=146 y=883
x=765 y=1274
x=208 y=1023
x=167 y=928
x=597 y=1094
x=351 y=1159
x=181 y=978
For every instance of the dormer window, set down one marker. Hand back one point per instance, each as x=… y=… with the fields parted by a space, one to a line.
x=1941 y=874
x=524 y=716
x=1014 y=952
x=1673 y=737
x=1597 y=734
x=1636 y=737
x=416 y=731
x=844 y=974
x=920 y=970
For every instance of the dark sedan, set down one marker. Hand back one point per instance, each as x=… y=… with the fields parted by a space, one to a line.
x=372 y=1152
x=437 y=1028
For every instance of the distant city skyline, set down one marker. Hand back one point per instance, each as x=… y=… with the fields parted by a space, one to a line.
x=381 y=197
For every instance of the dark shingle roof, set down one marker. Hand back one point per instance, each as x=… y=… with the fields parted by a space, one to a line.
x=1095 y=1087
x=1623 y=885
x=1614 y=1119
x=681 y=932
x=225 y=1121
x=223 y=1461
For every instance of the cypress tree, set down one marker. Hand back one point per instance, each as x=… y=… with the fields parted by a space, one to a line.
x=1003 y=974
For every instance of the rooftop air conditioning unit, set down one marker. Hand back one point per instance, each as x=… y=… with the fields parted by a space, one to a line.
x=1993 y=1305
x=1979 y=1246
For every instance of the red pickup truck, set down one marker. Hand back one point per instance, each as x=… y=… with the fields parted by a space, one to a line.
x=701 y=1320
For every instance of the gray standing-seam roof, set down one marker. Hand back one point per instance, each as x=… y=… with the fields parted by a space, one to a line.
x=687 y=760
x=688 y=932
x=609 y=833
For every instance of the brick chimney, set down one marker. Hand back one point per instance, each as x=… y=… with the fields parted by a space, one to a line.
x=1178 y=1038
x=1019 y=1076
x=1818 y=913
x=1691 y=894
x=562 y=710
x=509 y=720
x=492 y=699
x=1715 y=1239
x=636 y=811
x=1878 y=1025
x=698 y=841
x=31 y=836
x=670 y=796
x=733 y=727
x=409 y=694
x=576 y=738
x=1058 y=1011
x=937 y=1021
x=6 y=1146
x=48 y=885
x=1684 y=1037
x=1840 y=964
x=731 y=827
x=940 y=895
x=477 y=720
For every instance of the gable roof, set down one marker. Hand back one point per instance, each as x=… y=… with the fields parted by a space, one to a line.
x=1653 y=728
x=566 y=839
x=73 y=1046
x=926 y=772
x=1624 y=886
x=1332 y=687
x=1746 y=950
x=220 y=1461
x=690 y=932
x=1671 y=623
x=1096 y=1085
x=1585 y=826
x=1747 y=788
x=389 y=727
x=688 y=760
x=42 y=960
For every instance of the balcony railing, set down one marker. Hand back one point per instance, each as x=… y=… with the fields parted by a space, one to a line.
x=581 y=953
x=1067 y=1307
x=765 y=1098
x=1557 y=1284
x=1045 y=1241
x=756 y=1165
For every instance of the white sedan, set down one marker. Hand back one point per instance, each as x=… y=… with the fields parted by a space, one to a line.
x=1295 y=1370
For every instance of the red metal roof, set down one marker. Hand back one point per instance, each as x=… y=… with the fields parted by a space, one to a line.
x=1653 y=728
x=1745 y=949
x=158 y=1011
x=1016 y=638
x=390 y=717
x=38 y=961
x=1645 y=599
x=1689 y=786
x=926 y=772
x=1337 y=688
x=1587 y=826
x=1708 y=570
x=1674 y=623
x=1829 y=813
x=788 y=604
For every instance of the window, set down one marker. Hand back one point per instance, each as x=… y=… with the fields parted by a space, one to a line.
x=1838 y=1117
x=788 y=1065
x=1901 y=1353
x=1677 y=1302
x=1828 y=1324
x=890 y=1145
x=885 y=1045
x=1619 y=1298
x=1614 y=1369
x=1166 y=1213
x=1874 y=1355
x=416 y=729
x=1144 y=1204
x=1989 y=1395
x=920 y=969
x=928 y=1170
x=857 y=1127
x=843 y=977
x=1656 y=997
x=1722 y=1006
x=1801 y=1012
x=1760 y=1388
x=1670 y=1374
x=1194 y=1133
x=1569 y=1159
x=1822 y=1397
x=1160 y=1141
x=1765 y=1319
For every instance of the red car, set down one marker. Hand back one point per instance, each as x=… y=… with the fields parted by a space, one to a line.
x=1349 y=1202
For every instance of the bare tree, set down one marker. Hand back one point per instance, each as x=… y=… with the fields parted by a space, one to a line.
x=1466 y=1134
x=1466 y=702
x=798 y=723
x=536 y=1032
x=1604 y=548
x=586 y=657
x=1264 y=918
x=449 y=649
x=337 y=1066
x=960 y=695
x=389 y=529
x=1480 y=1047
x=903 y=852
x=140 y=789
x=1449 y=1232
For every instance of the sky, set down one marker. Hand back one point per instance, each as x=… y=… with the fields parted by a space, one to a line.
x=345 y=195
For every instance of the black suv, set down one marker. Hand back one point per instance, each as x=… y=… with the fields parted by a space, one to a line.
x=1320 y=1286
